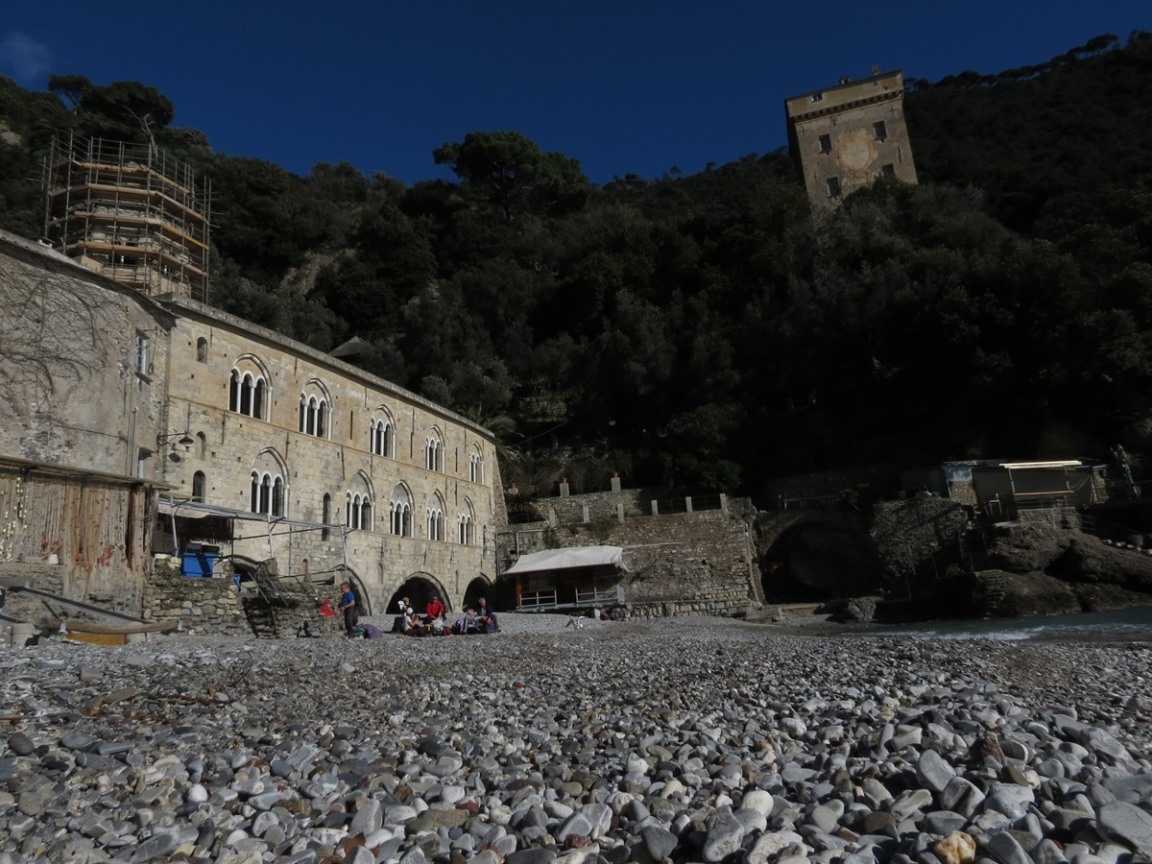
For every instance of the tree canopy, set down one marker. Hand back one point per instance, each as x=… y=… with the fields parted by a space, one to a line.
x=710 y=331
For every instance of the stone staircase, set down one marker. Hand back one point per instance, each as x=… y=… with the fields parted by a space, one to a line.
x=278 y=606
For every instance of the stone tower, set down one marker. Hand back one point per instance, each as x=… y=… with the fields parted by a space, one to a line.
x=844 y=137
x=130 y=212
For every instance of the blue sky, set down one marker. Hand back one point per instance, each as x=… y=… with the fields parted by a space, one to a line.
x=625 y=87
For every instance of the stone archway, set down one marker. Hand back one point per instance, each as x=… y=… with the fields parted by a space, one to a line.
x=363 y=598
x=419 y=588
x=479 y=587
x=816 y=556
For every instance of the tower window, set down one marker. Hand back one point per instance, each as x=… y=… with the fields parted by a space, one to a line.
x=881 y=130
x=833 y=187
x=825 y=143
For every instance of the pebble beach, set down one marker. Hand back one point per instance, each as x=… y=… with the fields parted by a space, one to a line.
x=684 y=740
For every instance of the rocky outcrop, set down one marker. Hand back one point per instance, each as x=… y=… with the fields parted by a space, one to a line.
x=1088 y=559
x=999 y=594
x=1026 y=547
x=935 y=559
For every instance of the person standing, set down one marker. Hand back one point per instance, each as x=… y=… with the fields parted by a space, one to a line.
x=348 y=607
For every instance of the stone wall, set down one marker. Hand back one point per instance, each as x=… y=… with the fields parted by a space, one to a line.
x=683 y=563
x=201 y=605
x=213 y=605
x=830 y=487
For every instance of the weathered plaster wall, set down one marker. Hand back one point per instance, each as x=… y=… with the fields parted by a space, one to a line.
x=70 y=389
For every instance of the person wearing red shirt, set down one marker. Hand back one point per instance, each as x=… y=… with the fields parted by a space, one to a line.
x=435 y=607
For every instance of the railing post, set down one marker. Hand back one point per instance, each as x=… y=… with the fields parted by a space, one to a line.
x=655 y=507
x=688 y=504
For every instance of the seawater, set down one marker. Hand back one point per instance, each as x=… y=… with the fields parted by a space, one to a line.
x=1121 y=625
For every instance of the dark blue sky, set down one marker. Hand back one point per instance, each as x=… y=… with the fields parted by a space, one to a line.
x=622 y=86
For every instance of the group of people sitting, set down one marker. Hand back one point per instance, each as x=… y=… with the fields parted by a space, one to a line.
x=434 y=621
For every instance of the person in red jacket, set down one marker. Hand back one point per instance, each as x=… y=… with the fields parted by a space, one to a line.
x=435 y=608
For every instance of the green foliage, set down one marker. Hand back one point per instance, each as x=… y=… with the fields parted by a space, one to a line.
x=710 y=331
x=509 y=173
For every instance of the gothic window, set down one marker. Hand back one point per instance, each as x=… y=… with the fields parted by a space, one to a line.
x=466 y=525
x=267 y=490
x=382 y=433
x=267 y=493
x=248 y=390
x=314 y=409
x=434 y=451
x=400 y=511
x=359 y=511
x=358 y=504
x=435 y=518
x=476 y=466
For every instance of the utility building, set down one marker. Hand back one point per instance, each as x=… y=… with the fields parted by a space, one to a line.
x=844 y=137
x=130 y=212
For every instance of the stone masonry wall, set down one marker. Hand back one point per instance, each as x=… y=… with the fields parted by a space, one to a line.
x=201 y=605
x=212 y=605
x=335 y=466
x=679 y=564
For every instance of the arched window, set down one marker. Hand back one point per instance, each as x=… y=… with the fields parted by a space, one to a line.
x=314 y=403
x=268 y=490
x=381 y=435
x=435 y=518
x=476 y=466
x=202 y=445
x=248 y=389
x=434 y=451
x=400 y=511
x=201 y=350
x=358 y=509
x=466 y=525
x=199 y=482
x=326 y=516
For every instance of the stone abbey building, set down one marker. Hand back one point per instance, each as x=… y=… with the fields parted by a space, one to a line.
x=137 y=420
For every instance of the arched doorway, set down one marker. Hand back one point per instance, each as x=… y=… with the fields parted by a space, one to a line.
x=346 y=574
x=418 y=588
x=816 y=559
x=479 y=587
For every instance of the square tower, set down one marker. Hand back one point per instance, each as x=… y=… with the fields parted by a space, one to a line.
x=130 y=212
x=844 y=137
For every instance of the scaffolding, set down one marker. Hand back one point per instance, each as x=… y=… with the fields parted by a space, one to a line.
x=131 y=212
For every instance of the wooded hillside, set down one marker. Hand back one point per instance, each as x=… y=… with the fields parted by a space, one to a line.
x=710 y=331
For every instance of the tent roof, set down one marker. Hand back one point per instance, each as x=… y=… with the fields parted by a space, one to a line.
x=567 y=559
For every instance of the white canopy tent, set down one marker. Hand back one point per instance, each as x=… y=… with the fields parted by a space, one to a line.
x=566 y=559
x=580 y=576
